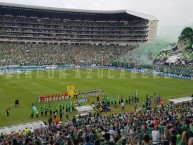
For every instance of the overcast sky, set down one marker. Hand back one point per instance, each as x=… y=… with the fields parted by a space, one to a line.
x=175 y=13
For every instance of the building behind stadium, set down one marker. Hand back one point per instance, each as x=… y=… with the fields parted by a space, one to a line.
x=35 y=24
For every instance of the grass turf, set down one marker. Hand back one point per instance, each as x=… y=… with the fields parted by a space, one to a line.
x=28 y=85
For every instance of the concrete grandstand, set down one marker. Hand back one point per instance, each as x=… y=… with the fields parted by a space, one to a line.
x=33 y=35
x=26 y=23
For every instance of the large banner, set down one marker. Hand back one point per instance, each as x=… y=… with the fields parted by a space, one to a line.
x=70 y=90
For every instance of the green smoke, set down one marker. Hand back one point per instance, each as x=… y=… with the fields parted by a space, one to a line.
x=147 y=52
x=144 y=54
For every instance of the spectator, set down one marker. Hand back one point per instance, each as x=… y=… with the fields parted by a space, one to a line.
x=190 y=141
x=88 y=140
x=156 y=136
x=184 y=140
x=146 y=140
x=107 y=140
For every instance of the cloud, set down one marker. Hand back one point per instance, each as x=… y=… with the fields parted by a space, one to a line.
x=71 y=6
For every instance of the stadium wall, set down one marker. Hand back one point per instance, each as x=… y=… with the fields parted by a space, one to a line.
x=152 y=30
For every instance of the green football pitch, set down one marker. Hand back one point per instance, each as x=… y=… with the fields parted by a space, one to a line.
x=26 y=86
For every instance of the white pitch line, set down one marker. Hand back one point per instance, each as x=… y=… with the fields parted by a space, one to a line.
x=41 y=86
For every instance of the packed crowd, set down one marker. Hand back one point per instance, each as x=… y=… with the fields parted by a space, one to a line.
x=163 y=124
x=184 y=58
x=58 y=54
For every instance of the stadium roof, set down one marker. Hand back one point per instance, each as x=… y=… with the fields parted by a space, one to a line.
x=80 y=11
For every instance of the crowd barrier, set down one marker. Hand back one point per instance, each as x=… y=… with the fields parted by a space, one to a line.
x=38 y=68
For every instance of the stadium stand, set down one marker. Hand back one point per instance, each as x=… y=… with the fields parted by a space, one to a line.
x=33 y=24
x=32 y=35
x=162 y=124
x=181 y=54
x=58 y=54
